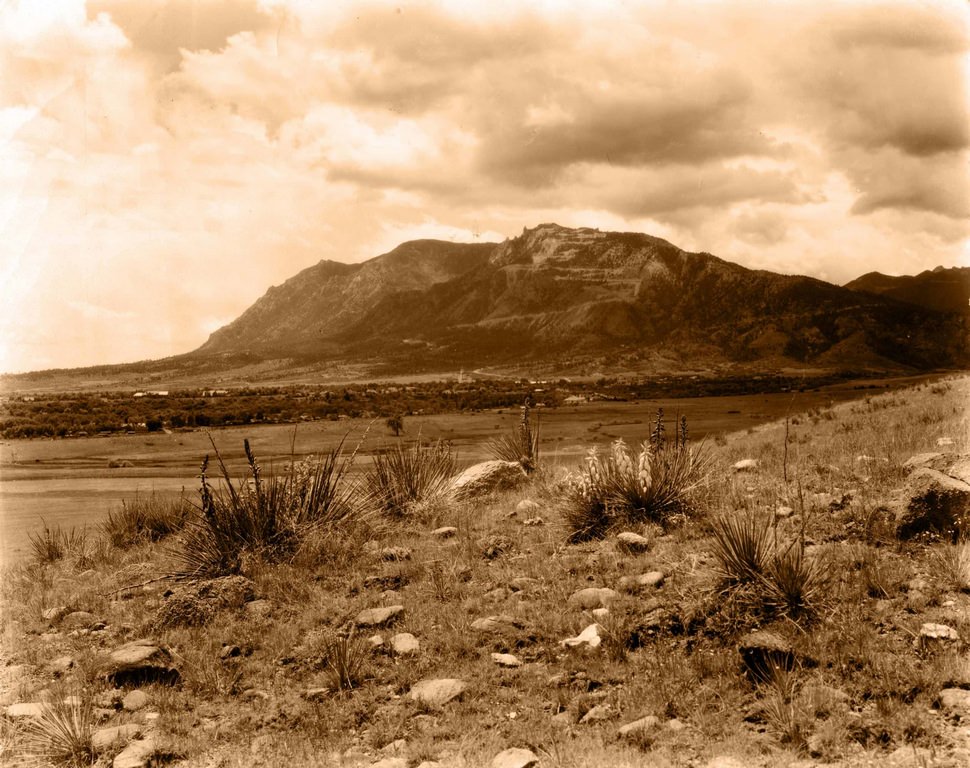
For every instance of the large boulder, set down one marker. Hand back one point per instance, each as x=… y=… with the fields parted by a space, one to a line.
x=137 y=662
x=933 y=503
x=489 y=476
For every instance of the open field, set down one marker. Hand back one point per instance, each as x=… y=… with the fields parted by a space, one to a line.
x=71 y=482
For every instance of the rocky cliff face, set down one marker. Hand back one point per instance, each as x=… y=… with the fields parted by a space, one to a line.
x=554 y=292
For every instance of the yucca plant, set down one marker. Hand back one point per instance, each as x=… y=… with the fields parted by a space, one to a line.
x=521 y=444
x=792 y=584
x=743 y=547
x=344 y=659
x=61 y=734
x=405 y=475
x=264 y=520
x=625 y=486
x=53 y=544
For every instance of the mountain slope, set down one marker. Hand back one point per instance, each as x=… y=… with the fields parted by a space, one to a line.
x=554 y=293
x=944 y=290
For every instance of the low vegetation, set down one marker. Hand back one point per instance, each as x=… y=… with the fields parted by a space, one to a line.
x=343 y=597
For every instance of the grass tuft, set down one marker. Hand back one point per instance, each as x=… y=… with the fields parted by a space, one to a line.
x=345 y=658
x=742 y=547
x=404 y=476
x=145 y=519
x=53 y=544
x=62 y=733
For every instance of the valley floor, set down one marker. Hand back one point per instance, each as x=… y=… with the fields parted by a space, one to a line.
x=856 y=678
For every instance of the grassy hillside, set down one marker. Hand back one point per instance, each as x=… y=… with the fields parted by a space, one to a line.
x=293 y=677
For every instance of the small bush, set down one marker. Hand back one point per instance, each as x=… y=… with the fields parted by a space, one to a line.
x=145 y=519
x=406 y=475
x=954 y=564
x=626 y=487
x=345 y=658
x=742 y=547
x=521 y=444
x=62 y=733
x=266 y=521
x=793 y=584
x=53 y=544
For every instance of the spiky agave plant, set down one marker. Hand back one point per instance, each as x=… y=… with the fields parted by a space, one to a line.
x=521 y=444
x=61 y=733
x=743 y=547
x=405 y=475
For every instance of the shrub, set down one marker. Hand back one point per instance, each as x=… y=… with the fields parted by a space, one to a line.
x=521 y=444
x=344 y=658
x=954 y=564
x=406 y=475
x=625 y=487
x=53 y=544
x=742 y=547
x=61 y=734
x=793 y=584
x=264 y=520
x=145 y=519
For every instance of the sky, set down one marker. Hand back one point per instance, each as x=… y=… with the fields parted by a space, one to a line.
x=163 y=162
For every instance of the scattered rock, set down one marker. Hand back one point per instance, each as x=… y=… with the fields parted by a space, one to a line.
x=396 y=747
x=632 y=543
x=532 y=521
x=378 y=617
x=135 y=700
x=395 y=554
x=196 y=604
x=54 y=615
x=745 y=465
x=489 y=476
x=650 y=580
x=79 y=620
x=523 y=583
x=445 y=532
x=600 y=613
x=497 y=544
x=405 y=644
x=592 y=597
x=25 y=710
x=316 y=694
x=506 y=660
x=515 y=757
x=589 y=637
x=140 y=661
x=762 y=651
x=390 y=762
x=783 y=511
x=394 y=580
x=251 y=694
x=933 y=502
x=936 y=634
x=61 y=665
x=638 y=727
x=436 y=693
x=676 y=725
x=136 y=754
x=259 y=608
x=956 y=701
x=527 y=507
x=375 y=641
x=499 y=623
x=118 y=736
x=229 y=652
x=597 y=714
x=496 y=595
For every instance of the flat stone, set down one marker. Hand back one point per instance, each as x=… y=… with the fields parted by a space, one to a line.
x=649 y=580
x=597 y=714
x=762 y=651
x=79 y=620
x=378 y=617
x=523 y=583
x=140 y=661
x=251 y=694
x=515 y=757
x=375 y=641
x=135 y=700
x=499 y=623
x=632 y=543
x=438 y=692
x=745 y=465
x=956 y=701
x=259 y=608
x=405 y=644
x=589 y=637
x=136 y=754
x=929 y=632
x=592 y=597
x=922 y=460
x=506 y=660
x=600 y=613
x=118 y=736
x=25 y=710
x=445 y=532
x=676 y=725
x=643 y=725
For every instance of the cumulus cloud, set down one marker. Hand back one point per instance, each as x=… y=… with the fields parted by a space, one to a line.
x=158 y=153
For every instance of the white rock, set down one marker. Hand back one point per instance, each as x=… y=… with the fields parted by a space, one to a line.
x=931 y=631
x=592 y=597
x=527 y=507
x=632 y=543
x=642 y=725
x=506 y=660
x=135 y=700
x=745 y=465
x=589 y=637
x=119 y=736
x=376 y=617
x=136 y=754
x=515 y=758
x=405 y=644
x=600 y=613
x=437 y=693
x=445 y=532
x=25 y=710
x=486 y=477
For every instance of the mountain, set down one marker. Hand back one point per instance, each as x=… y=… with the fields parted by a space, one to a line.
x=944 y=290
x=561 y=296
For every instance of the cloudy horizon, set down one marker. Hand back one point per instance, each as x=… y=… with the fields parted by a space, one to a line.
x=167 y=161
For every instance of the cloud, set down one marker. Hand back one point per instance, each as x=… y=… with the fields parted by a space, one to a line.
x=168 y=160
